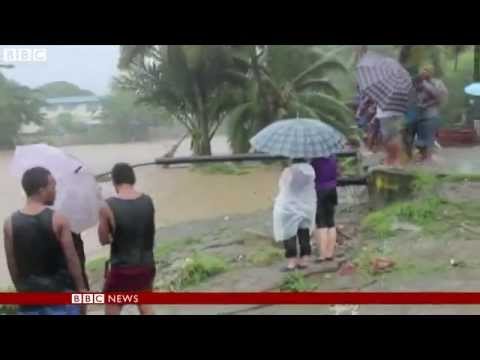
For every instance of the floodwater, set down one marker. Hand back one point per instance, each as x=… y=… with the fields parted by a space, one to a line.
x=180 y=194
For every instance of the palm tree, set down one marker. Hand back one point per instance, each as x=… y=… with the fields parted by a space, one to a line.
x=288 y=81
x=193 y=82
x=476 y=63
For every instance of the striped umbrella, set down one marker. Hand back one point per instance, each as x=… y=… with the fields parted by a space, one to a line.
x=385 y=81
x=299 y=138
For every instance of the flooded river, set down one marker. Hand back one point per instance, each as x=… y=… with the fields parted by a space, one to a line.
x=180 y=194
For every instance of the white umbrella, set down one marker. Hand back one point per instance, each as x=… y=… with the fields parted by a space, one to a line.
x=54 y=159
x=78 y=197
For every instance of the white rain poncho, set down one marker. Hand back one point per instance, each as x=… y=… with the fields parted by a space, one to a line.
x=296 y=203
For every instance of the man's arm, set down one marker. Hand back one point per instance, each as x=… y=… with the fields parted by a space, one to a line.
x=8 y=241
x=64 y=235
x=105 y=226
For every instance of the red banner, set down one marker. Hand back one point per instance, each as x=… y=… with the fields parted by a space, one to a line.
x=205 y=298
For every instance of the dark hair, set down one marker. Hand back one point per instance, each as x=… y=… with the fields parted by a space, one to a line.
x=122 y=173
x=35 y=179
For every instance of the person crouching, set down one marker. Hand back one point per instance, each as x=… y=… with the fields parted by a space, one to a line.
x=294 y=213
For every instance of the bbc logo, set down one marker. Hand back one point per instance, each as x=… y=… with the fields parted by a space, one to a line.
x=88 y=299
x=12 y=55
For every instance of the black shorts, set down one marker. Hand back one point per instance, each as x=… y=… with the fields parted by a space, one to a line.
x=327 y=200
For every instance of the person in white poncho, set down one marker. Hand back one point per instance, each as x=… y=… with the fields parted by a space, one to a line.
x=294 y=212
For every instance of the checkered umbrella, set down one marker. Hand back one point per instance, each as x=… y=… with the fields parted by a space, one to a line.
x=385 y=81
x=299 y=138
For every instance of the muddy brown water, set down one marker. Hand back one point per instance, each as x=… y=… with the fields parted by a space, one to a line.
x=180 y=194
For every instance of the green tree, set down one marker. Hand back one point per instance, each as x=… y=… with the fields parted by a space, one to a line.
x=476 y=63
x=18 y=105
x=122 y=112
x=287 y=81
x=61 y=89
x=193 y=82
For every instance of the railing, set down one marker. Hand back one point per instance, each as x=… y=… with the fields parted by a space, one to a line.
x=167 y=161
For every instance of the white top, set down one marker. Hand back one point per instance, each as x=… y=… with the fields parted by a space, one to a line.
x=296 y=203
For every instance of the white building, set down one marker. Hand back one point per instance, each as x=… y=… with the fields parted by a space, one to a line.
x=83 y=109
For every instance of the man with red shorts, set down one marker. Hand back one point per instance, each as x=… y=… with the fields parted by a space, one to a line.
x=127 y=224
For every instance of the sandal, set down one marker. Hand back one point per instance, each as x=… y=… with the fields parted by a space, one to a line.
x=287 y=269
x=302 y=267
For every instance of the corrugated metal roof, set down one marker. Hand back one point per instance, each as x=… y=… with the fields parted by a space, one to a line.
x=72 y=100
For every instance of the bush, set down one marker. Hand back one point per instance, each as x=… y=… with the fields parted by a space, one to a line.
x=199 y=268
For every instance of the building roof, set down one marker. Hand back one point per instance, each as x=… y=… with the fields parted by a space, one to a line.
x=73 y=100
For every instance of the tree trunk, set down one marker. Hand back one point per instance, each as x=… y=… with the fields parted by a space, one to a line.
x=266 y=113
x=202 y=143
x=476 y=63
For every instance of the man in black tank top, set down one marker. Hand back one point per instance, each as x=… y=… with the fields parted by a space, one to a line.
x=40 y=253
x=127 y=224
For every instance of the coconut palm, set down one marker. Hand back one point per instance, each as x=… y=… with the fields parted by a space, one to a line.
x=287 y=81
x=193 y=82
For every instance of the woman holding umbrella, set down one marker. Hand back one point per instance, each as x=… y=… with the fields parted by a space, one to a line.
x=389 y=85
x=295 y=206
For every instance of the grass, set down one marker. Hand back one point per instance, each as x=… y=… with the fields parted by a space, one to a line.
x=406 y=267
x=166 y=248
x=223 y=169
x=265 y=256
x=296 y=282
x=199 y=268
x=425 y=182
x=421 y=212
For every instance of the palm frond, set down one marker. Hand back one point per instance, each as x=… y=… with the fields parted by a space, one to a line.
x=320 y=66
x=323 y=85
x=129 y=52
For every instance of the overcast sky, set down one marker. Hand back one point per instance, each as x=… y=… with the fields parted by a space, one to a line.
x=89 y=66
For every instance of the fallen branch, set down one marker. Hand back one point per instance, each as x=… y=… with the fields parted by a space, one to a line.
x=173 y=150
